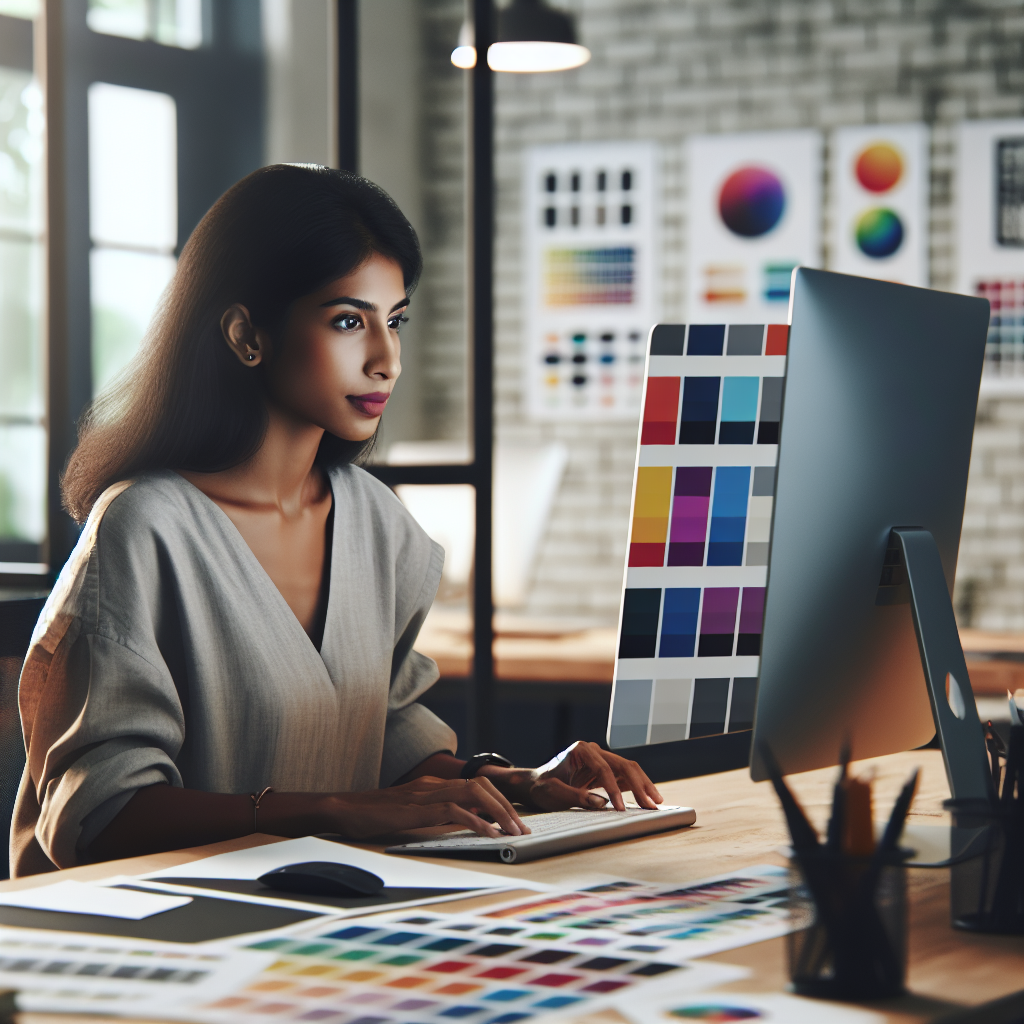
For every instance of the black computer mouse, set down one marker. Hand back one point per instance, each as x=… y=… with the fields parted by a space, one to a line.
x=323 y=878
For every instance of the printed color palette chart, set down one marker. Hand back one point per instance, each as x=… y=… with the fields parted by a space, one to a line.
x=424 y=968
x=590 y=291
x=689 y=921
x=693 y=598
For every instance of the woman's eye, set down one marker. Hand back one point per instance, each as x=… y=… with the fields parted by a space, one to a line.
x=395 y=322
x=348 y=322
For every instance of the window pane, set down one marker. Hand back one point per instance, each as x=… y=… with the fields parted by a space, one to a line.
x=126 y=287
x=118 y=18
x=133 y=174
x=179 y=23
x=20 y=8
x=21 y=342
x=171 y=22
x=22 y=493
x=21 y=151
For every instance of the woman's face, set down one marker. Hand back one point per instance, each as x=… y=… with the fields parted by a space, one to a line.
x=340 y=356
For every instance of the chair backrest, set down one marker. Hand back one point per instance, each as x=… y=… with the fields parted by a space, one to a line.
x=17 y=619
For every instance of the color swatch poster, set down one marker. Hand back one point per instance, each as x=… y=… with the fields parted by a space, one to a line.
x=880 y=222
x=753 y=215
x=990 y=227
x=692 y=604
x=591 y=266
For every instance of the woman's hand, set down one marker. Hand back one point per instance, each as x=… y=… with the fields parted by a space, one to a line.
x=421 y=802
x=566 y=780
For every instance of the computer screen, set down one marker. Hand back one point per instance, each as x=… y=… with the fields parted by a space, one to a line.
x=877 y=423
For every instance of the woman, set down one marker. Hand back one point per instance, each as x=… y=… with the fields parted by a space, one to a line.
x=240 y=610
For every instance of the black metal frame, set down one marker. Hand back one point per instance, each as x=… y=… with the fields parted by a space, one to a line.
x=480 y=472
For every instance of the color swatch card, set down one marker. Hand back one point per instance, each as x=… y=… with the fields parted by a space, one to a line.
x=591 y=277
x=693 y=599
x=719 y=1007
x=60 y=972
x=424 y=968
x=622 y=917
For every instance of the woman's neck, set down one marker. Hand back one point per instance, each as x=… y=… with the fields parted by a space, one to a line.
x=280 y=475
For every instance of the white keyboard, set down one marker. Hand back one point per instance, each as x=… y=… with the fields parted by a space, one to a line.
x=555 y=832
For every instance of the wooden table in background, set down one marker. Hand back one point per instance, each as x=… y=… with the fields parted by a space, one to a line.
x=541 y=651
x=738 y=825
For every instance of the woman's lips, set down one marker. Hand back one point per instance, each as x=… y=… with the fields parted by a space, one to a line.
x=372 y=404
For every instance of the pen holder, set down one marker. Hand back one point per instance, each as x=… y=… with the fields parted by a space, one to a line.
x=850 y=927
x=987 y=882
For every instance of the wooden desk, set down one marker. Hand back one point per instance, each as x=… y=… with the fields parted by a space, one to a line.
x=739 y=824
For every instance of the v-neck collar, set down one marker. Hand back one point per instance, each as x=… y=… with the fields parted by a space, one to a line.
x=257 y=567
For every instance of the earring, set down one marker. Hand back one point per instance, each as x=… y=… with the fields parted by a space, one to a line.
x=251 y=357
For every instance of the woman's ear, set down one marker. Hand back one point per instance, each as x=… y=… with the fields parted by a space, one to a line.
x=249 y=345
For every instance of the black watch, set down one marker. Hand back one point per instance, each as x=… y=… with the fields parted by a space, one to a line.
x=477 y=761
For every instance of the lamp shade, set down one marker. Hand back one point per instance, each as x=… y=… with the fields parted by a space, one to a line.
x=532 y=37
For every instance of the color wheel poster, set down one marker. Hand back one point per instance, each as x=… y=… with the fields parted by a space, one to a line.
x=754 y=208
x=881 y=213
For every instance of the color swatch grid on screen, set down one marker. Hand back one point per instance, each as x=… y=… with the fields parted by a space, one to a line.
x=663 y=623
x=700 y=532
x=710 y=515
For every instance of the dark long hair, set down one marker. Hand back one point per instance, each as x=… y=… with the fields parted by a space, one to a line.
x=186 y=402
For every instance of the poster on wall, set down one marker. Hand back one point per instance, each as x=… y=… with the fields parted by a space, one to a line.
x=591 y=266
x=880 y=222
x=990 y=234
x=754 y=215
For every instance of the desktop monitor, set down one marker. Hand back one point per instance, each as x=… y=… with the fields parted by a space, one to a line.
x=878 y=417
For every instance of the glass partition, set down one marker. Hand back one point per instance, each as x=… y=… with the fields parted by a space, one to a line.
x=22 y=386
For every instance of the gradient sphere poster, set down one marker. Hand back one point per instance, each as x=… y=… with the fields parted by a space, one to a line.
x=879 y=227
x=754 y=202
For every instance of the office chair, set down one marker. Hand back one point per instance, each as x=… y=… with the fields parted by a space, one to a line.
x=17 y=619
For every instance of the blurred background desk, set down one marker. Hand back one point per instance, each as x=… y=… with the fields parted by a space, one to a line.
x=554 y=685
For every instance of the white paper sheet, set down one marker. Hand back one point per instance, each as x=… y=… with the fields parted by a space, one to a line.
x=83 y=898
x=398 y=872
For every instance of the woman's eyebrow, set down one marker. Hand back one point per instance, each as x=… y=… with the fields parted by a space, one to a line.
x=347 y=300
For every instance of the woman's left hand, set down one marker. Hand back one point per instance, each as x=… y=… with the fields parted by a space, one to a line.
x=566 y=780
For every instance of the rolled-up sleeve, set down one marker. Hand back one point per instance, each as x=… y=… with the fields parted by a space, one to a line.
x=111 y=725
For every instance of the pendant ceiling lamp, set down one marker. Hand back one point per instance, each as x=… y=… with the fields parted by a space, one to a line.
x=532 y=37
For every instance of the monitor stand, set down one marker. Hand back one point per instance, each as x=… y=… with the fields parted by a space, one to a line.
x=945 y=670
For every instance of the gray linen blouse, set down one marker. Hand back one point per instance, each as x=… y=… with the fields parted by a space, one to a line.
x=166 y=654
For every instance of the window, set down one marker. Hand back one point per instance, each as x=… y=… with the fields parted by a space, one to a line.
x=22 y=385
x=171 y=22
x=133 y=218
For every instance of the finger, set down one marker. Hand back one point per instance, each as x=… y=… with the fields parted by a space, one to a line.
x=450 y=812
x=635 y=779
x=605 y=778
x=555 y=795
x=499 y=808
x=477 y=795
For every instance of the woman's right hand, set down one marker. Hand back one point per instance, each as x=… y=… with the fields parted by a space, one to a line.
x=417 y=804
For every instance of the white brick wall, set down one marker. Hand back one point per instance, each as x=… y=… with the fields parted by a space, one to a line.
x=663 y=70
